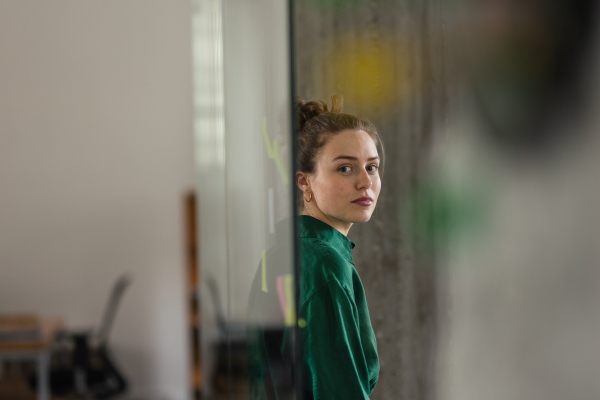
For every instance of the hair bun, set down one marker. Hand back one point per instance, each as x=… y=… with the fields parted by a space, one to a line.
x=310 y=109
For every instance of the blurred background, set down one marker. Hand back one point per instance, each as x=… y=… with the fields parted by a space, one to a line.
x=146 y=161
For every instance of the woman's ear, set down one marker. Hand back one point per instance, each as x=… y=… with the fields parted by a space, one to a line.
x=302 y=181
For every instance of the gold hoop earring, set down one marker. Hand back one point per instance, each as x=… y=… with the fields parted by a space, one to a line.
x=309 y=198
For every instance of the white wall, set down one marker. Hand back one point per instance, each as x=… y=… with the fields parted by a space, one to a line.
x=95 y=156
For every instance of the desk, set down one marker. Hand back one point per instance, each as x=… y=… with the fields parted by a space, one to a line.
x=36 y=350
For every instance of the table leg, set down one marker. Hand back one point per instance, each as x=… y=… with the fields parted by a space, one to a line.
x=43 y=376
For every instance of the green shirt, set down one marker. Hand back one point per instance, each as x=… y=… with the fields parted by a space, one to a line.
x=339 y=358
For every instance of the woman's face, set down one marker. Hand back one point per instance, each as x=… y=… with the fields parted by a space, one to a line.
x=346 y=183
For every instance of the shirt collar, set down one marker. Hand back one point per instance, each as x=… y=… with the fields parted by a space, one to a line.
x=310 y=227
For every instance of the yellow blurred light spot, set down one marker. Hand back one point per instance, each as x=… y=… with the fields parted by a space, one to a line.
x=370 y=73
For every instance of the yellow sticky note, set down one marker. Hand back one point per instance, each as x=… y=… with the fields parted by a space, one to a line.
x=279 y=163
x=264 y=272
x=290 y=315
x=273 y=152
x=266 y=138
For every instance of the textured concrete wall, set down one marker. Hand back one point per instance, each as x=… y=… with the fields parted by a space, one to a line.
x=387 y=59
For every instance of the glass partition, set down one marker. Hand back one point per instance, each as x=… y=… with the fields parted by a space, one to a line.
x=243 y=152
x=482 y=236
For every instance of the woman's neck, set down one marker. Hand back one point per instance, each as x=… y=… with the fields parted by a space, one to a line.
x=342 y=226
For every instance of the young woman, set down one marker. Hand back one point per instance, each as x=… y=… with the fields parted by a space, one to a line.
x=338 y=176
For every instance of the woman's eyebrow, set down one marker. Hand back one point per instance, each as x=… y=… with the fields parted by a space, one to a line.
x=354 y=158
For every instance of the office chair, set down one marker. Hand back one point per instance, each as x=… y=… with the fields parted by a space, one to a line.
x=82 y=363
x=230 y=362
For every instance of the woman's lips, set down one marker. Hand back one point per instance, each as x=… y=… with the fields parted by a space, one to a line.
x=364 y=201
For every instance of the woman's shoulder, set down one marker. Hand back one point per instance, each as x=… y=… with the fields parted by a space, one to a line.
x=321 y=264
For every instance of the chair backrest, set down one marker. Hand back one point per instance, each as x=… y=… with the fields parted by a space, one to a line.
x=213 y=288
x=111 y=308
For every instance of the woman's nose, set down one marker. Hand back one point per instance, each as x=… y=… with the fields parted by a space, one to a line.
x=364 y=181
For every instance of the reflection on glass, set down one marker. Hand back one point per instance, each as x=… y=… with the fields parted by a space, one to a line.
x=271 y=321
x=242 y=100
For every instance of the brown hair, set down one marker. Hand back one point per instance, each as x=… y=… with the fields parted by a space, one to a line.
x=318 y=123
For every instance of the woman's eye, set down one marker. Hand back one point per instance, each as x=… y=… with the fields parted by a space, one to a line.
x=372 y=168
x=344 y=169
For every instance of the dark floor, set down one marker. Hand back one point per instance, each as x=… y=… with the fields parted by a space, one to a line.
x=15 y=388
